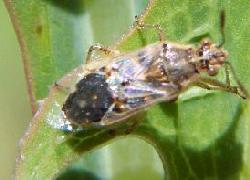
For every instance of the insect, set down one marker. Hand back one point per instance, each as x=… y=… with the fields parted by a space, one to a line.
x=134 y=81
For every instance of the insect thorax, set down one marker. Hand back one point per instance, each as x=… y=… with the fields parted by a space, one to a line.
x=177 y=63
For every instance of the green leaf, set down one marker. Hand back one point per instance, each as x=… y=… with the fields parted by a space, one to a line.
x=202 y=135
x=54 y=35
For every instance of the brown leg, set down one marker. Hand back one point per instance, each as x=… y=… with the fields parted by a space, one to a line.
x=229 y=68
x=98 y=47
x=139 y=23
x=228 y=82
x=212 y=84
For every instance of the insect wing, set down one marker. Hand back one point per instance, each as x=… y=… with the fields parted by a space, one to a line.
x=131 y=87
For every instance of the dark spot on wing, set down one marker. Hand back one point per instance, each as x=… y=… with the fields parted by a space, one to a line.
x=108 y=73
x=125 y=83
x=142 y=57
x=102 y=69
x=141 y=53
x=118 y=105
x=142 y=60
x=145 y=59
x=90 y=101
x=117 y=109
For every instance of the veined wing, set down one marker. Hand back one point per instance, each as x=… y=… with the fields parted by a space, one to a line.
x=137 y=97
x=119 y=89
x=131 y=86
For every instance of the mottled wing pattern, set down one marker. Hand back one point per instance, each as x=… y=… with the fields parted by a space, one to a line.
x=130 y=86
x=119 y=89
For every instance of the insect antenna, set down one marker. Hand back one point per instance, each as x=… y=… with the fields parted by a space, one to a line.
x=222 y=28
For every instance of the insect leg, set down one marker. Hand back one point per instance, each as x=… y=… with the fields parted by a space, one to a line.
x=228 y=82
x=229 y=68
x=202 y=85
x=212 y=84
x=98 y=47
x=139 y=23
x=215 y=86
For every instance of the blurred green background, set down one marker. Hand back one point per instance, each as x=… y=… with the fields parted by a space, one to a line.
x=15 y=110
x=117 y=160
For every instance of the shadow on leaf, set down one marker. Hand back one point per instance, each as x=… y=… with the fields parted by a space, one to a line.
x=88 y=139
x=77 y=174
x=223 y=157
x=74 y=7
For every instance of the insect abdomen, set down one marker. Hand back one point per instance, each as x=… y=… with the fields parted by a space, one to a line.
x=90 y=101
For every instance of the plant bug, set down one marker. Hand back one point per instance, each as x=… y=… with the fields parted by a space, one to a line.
x=130 y=82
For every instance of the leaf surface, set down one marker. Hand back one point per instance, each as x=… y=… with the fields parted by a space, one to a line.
x=202 y=135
